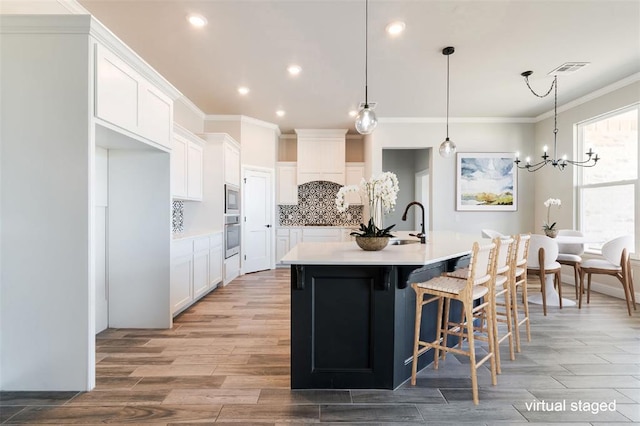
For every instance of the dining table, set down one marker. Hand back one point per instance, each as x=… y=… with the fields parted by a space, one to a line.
x=553 y=298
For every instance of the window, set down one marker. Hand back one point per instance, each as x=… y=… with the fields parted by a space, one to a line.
x=608 y=193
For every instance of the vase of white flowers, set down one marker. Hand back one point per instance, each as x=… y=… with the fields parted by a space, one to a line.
x=379 y=193
x=549 y=228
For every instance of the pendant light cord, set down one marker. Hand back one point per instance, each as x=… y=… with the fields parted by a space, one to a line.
x=448 y=96
x=366 y=52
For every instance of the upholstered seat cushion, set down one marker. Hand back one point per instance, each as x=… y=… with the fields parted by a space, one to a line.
x=566 y=257
x=552 y=267
x=600 y=264
x=452 y=285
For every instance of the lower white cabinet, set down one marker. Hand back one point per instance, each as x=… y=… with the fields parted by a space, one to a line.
x=288 y=238
x=196 y=269
x=231 y=268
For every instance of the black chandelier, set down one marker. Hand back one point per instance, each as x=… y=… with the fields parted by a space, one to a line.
x=560 y=163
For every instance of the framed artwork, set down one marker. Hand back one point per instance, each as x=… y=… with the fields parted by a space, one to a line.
x=486 y=181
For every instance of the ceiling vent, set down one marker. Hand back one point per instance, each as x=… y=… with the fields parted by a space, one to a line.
x=372 y=105
x=568 y=68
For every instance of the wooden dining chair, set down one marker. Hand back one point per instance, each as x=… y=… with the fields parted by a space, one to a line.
x=616 y=262
x=543 y=252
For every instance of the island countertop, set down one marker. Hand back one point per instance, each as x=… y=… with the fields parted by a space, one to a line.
x=441 y=245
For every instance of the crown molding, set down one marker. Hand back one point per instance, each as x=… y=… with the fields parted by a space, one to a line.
x=321 y=133
x=193 y=107
x=86 y=24
x=73 y=7
x=591 y=96
x=467 y=120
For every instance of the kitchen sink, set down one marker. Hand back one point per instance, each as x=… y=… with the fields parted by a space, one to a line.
x=403 y=242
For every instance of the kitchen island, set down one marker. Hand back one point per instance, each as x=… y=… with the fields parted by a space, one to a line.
x=353 y=311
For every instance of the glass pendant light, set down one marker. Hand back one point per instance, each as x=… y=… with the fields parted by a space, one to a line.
x=447 y=148
x=366 y=119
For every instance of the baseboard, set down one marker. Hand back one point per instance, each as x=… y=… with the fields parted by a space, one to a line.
x=601 y=288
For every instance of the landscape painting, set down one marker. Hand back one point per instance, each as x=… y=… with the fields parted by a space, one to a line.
x=486 y=182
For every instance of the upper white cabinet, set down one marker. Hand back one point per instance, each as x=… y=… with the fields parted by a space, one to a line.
x=321 y=155
x=354 y=172
x=186 y=165
x=126 y=99
x=287 y=183
x=231 y=162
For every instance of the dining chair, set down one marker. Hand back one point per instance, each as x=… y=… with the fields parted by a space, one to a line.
x=541 y=261
x=571 y=254
x=475 y=294
x=616 y=262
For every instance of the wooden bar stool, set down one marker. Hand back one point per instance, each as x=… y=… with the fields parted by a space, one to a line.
x=474 y=288
x=519 y=280
x=506 y=248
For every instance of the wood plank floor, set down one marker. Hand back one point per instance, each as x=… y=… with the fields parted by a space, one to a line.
x=226 y=361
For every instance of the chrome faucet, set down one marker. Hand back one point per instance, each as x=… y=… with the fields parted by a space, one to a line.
x=422 y=235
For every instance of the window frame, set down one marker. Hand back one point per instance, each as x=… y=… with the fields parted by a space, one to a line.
x=579 y=186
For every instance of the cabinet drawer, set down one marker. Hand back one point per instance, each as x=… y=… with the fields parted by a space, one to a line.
x=181 y=248
x=200 y=244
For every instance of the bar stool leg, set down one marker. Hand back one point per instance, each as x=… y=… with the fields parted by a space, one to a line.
x=440 y=331
x=416 y=339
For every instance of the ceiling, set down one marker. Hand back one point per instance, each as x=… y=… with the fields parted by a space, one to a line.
x=251 y=43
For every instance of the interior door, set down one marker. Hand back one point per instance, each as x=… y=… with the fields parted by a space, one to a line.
x=258 y=220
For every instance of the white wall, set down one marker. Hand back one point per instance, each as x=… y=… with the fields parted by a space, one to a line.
x=46 y=321
x=550 y=182
x=231 y=127
x=187 y=115
x=259 y=145
x=469 y=137
x=401 y=162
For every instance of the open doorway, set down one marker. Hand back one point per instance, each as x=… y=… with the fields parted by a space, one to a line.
x=411 y=166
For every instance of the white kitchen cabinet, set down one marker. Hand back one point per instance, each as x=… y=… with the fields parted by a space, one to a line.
x=126 y=99
x=200 y=267
x=354 y=172
x=216 y=260
x=321 y=155
x=181 y=276
x=287 y=183
x=196 y=269
x=286 y=239
x=232 y=163
x=186 y=166
x=231 y=268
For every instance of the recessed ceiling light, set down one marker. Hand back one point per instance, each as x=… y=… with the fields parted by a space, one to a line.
x=353 y=113
x=294 y=69
x=198 y=21
x=280 y=113
x=395 y=28
x=243 y=90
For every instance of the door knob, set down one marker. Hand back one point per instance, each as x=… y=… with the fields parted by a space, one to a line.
x=268 y=226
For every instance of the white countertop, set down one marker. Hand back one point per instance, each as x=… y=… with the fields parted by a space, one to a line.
x=193 y=234
x=441 y=245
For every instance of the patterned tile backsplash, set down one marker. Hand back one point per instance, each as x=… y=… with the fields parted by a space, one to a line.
x=177 y=217
x=316 y=206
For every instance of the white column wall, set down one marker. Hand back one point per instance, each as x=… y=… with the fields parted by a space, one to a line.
x=46 y=325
